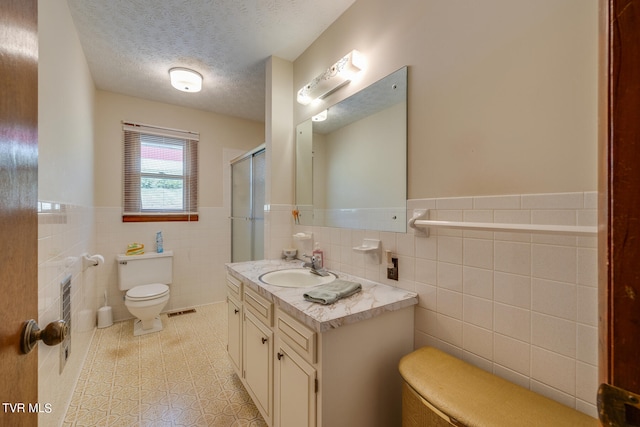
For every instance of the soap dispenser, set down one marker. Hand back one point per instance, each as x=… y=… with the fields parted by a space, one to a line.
x=318 y=255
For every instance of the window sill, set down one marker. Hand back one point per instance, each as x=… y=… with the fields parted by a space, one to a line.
x=160 y=218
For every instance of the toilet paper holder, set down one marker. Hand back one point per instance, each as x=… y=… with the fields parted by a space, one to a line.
x=91 y=261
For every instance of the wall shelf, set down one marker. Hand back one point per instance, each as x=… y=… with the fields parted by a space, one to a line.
x=421 y=225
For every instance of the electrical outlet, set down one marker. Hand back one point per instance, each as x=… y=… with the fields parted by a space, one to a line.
x=392 y=272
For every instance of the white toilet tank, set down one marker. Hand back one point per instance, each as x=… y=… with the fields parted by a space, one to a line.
x=151 y=267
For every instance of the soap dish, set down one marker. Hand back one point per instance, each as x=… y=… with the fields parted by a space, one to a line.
x=370 y=247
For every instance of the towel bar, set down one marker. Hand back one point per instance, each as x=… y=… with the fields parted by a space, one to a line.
x=418 y=223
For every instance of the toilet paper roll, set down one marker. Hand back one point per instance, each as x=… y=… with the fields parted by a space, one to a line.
x=97 y=259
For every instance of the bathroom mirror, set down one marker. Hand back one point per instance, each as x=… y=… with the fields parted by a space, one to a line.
x=351 y=168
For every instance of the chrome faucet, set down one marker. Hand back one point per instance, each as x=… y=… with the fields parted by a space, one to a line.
x=313 y=267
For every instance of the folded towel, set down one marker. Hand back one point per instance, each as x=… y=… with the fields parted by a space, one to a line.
x=135 y=249
x=332 y=292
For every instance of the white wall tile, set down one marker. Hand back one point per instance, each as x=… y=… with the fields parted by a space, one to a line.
x=477 y=282
x=426 y=247
x=554 y=334
x=553 y=369
x=478 y=253
x=512 y=321
x=554 y=262
x=587 y=344
x=512 y=354
x=450 y=249
x=587 y=267
x=449 y=303
x=586 y=382
x=497 y=202
x=449 y=330
x=450 y=276
x=476 y=360
x=452 y=203
x=512 y=376
x=554 y=298
x=523 y=305
x=426 y=271
x=587 y=305
x=567 y=399
x=427 y=296
x=512 y=257
x=478 y=311
x=512 y=289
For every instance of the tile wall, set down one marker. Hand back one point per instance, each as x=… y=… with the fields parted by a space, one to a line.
x=523 y=306
x=200 y=249
x=65 y=232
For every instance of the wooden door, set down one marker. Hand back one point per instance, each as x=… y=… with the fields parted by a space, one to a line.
x=18 y=198
x=619 y=238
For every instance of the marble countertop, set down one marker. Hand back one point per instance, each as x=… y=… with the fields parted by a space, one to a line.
x=373 y=300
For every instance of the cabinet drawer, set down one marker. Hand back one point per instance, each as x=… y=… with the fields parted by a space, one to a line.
x=259 y=306
x=234 y=287
x=298 y=336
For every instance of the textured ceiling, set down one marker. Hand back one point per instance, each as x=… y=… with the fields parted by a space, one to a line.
x=130 y=45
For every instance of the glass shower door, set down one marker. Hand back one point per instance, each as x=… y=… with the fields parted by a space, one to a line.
x=247 y=207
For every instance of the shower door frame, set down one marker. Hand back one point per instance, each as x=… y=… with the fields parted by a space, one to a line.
x=250 y=155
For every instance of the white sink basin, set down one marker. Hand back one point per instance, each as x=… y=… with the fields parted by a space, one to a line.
x=295 y=278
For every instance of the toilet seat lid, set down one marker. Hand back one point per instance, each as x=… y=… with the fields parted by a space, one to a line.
x=153 y=290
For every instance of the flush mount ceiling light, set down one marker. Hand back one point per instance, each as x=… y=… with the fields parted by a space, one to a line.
x=185 y=79
x=339 y=74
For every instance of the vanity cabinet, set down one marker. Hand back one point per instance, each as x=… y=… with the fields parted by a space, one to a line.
x=234 y=323
x=296 y=382
x=234 y=329
x=258 y=363
x=344 y=375
x=295 y=389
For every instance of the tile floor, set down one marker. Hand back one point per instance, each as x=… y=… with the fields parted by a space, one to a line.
x=180 y=376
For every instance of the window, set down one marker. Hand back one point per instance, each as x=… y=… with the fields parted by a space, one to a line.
x=160 y=174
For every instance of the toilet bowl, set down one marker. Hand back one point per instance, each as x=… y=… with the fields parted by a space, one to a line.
x=145 y=279
x=146 y=302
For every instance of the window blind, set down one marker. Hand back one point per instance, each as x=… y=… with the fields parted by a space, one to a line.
x=160 y=174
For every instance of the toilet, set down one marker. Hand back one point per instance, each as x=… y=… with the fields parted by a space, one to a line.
x=145 y=278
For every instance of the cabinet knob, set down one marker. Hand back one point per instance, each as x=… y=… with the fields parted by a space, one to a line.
x=235 y=311
x=264 y=340
x=280 y=356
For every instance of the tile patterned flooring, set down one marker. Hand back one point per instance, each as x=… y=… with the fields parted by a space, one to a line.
x=180 y=376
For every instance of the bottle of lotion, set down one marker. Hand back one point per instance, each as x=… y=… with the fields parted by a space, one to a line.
x=318 y=255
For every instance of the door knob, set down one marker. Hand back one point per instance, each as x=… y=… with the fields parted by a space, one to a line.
x=615 y=404
x=54 y=333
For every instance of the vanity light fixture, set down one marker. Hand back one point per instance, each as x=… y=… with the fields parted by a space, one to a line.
x=185 y=79
x=320 y=117
x=339 y=74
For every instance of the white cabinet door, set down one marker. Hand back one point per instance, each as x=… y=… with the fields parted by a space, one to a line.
x=258 y=363
x=234 y=343
x=295 y=389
